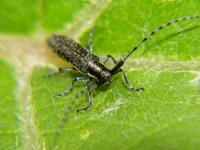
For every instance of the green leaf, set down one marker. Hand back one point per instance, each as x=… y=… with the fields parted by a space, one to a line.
x=23 y=16
x=164 y=116
x=10 y=121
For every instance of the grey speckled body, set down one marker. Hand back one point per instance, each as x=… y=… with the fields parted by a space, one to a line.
x=80 y=57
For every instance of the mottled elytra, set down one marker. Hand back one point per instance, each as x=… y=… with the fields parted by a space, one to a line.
x=95 y=72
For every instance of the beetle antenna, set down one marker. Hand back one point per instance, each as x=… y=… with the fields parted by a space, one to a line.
x=155 y=31
x=66 y=115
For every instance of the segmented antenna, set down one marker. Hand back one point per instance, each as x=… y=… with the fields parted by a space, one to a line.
x=67 y=112
x=155 y=31
x=65 y=118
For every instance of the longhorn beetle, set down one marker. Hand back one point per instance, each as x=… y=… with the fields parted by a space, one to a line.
x=84 y=61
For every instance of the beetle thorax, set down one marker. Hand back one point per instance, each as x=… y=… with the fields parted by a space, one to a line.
x=99 y=72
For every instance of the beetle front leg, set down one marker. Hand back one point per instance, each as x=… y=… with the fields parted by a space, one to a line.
x=127 y=83
x=90 y=86
x=107 y=58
